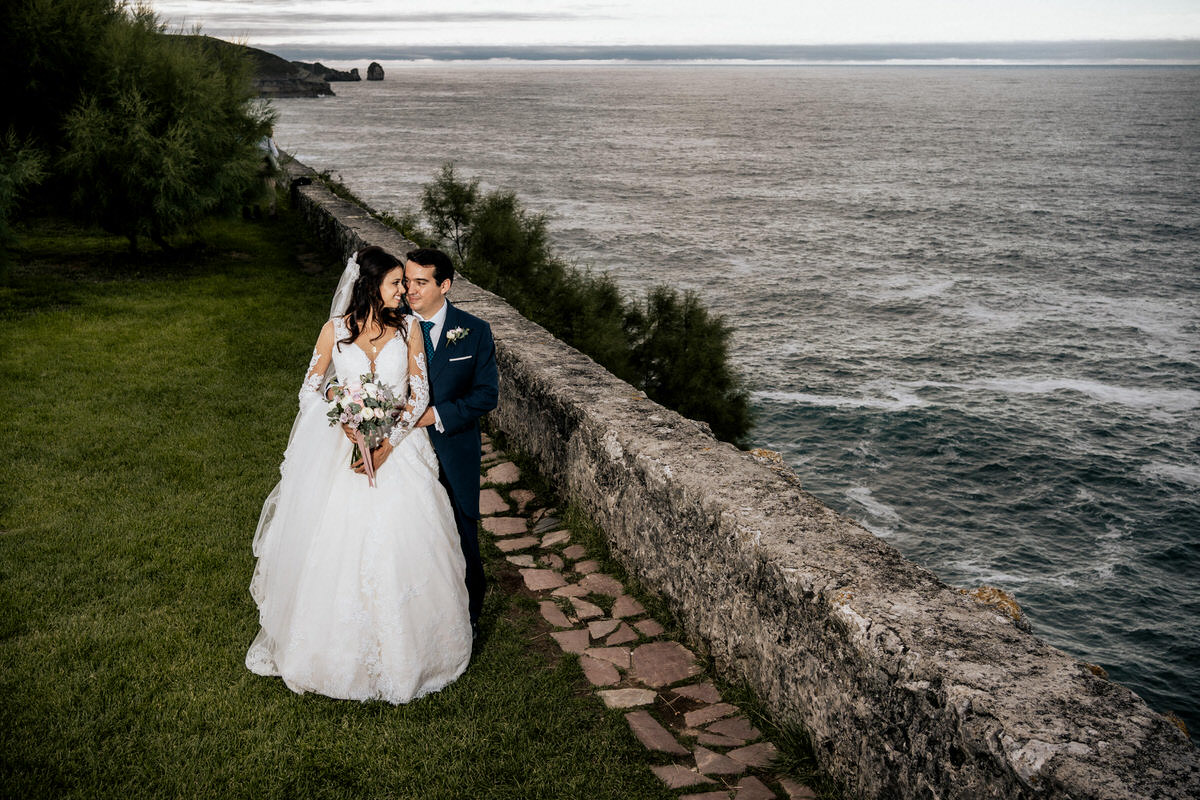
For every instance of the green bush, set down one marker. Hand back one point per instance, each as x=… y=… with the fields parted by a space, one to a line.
x=671 y=347
x=167 y=138
x=49 y=52
x=145 y=133
x=22 y=165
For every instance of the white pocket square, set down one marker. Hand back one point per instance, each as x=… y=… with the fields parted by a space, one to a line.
x=460 y=358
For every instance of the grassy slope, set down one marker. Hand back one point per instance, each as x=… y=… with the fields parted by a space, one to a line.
x=144 y=416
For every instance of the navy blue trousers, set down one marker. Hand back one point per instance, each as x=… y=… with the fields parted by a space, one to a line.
x=468 y=538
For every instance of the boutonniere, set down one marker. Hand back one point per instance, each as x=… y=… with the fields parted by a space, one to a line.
x=456 y=335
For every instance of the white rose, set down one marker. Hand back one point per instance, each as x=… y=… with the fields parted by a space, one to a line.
x=370 y=389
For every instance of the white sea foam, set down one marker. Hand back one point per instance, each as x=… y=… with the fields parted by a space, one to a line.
x=908 y=289
x=1134 y=397
x=884 y=518
x=1176 y=400
x=1183 y=473
x=897 y=400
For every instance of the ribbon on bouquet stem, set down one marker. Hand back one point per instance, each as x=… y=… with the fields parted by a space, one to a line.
x=366 y=454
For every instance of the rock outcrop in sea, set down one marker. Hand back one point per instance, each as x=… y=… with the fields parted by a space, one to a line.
x=329 y=73
x=374 y=72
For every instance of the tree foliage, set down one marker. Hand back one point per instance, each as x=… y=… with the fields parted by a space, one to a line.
x=447 y=203
x=145 y=133
x=670 y=346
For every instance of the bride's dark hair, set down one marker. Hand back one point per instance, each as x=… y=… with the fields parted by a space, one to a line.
x=365 y=301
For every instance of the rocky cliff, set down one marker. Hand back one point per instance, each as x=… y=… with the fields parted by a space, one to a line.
x=274 y=76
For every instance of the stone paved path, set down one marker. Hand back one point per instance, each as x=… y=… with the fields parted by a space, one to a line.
x=710 y=749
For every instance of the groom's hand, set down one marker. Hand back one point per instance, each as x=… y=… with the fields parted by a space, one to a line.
x=378 y=456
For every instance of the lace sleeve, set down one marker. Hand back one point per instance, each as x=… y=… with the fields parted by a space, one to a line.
x=418 y=387
x=314 y=378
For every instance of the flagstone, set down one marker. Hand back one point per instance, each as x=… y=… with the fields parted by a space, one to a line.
x=751 y=788
x=623 y=635
x=490 y=502
x=503 y=526
x=553 y=614
x=713 y=740
x=706 y=796
x=627 y=698
x=586 y=610
x=702 y=716
x=617 y=656
x=575 y=641
x=538 y=580
x=521 y=560
x=546 y=523
x=504 y=473
x=587 y=567
x=570 y=590
x=522 y=497
x=754 y=755
x=737 y=727
x=704 y=692
x=555 y=538
x=519 y=543
x=650 y=627
x=653 y=735
x=575 y=552
x=797 y=791
x=626 y=606
x=711 y=763
x=677 y=777
x=599 y=673
x=661 y=663
x=602 y=627
x=553 y=560
x=600 y=583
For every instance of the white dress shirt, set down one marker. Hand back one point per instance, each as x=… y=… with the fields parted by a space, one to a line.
x=435 y=334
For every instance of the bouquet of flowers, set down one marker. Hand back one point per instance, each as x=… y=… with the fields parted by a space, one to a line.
x=369 y=408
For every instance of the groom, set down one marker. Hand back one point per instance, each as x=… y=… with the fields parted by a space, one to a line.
x=461 y=359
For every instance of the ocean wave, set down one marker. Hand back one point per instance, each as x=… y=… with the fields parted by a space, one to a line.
x=1133 y=397
x=1188 y=474
x=897 y=400
x=882 y=519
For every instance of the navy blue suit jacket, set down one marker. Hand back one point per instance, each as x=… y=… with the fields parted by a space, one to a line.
x=463 y=386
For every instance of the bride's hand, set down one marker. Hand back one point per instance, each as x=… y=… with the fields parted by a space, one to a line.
x=378 y=456
x=349 y=433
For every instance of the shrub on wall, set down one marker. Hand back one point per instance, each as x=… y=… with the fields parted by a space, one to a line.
x=669 y=346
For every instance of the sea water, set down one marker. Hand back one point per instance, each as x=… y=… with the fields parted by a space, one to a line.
x=965 y=299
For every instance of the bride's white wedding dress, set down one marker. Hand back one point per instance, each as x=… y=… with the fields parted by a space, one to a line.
x=360 y=590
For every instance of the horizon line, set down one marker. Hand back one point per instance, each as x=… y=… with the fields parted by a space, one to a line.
x=1066 y=50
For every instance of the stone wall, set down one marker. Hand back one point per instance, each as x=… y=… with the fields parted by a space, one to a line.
x=908 y=687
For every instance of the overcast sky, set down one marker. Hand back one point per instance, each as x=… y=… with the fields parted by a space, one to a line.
x=272 y=23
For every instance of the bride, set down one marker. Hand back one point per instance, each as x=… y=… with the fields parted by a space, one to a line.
x=360 y=589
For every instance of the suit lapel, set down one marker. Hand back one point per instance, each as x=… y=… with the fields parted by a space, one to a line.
x=440 y=354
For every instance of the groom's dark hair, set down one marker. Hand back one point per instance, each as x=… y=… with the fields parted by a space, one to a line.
x=443 y=267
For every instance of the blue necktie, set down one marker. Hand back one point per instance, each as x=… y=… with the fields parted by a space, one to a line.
x=426 y=327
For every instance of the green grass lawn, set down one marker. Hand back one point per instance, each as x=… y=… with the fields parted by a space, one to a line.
x=146 y=406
